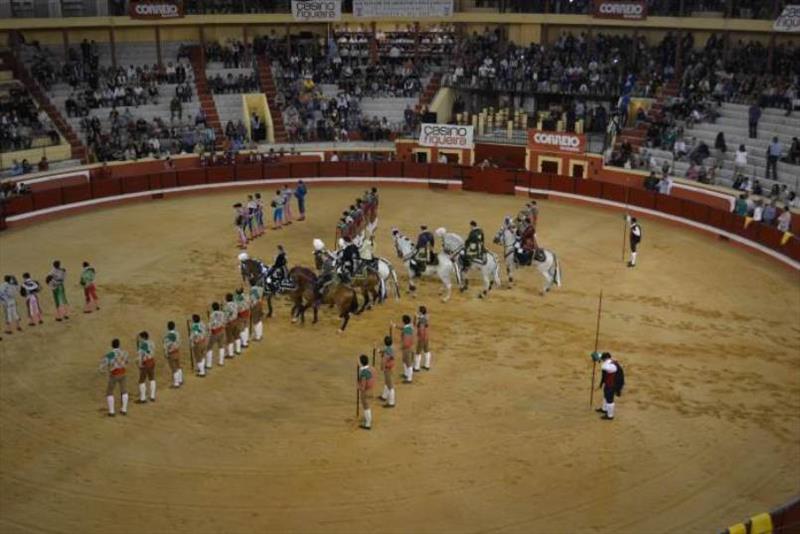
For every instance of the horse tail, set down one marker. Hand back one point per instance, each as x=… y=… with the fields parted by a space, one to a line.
x=496 y=270
x=382 y=288
x=557 y=275
x=395 y=282
x=353 y=302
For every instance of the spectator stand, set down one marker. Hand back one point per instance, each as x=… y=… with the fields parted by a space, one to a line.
x=28 y=139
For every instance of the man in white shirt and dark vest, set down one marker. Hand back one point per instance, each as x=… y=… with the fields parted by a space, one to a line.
x=635 y=238
x=611 y=380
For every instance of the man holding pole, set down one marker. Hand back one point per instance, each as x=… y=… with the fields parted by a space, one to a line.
x=635 y=238
x=611 y=380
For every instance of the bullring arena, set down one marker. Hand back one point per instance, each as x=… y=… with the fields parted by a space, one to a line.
x=501 y=434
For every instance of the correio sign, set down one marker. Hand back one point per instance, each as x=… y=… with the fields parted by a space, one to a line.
x=156 y=10
x=558 y=141
x=628 y=9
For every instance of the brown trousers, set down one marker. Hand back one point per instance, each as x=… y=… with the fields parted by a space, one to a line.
x=174 y=361
x=113 y=380
x=147 y=373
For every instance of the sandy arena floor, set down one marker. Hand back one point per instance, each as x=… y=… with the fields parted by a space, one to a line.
x=497 y=438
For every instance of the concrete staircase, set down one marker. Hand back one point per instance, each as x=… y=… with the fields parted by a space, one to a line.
x=733 y=121
x=77 y=148
x=204 y=96
x=268 y=87
x=393 y=108
x=432 y=87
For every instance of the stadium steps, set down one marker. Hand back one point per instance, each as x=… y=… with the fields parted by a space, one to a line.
x=77 y=149
x=430 y=90
x=267 y=84
x=204 y=96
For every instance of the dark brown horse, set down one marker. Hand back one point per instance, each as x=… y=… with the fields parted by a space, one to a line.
x=307 y=294
x=367 y=280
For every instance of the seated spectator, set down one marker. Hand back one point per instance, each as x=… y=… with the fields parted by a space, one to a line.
x=770 y=213
x=680 y=150
x=785 y=220
x=693 y=173
x=757 y=189
x=665 y=186
x=44 y=165
x=740 y=206
x=651 y=182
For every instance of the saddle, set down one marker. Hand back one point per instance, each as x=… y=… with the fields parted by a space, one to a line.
x=539 y=255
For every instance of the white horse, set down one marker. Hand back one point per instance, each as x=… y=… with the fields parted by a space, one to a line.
x=445 y=269
x=489 y=269
x=549 y=266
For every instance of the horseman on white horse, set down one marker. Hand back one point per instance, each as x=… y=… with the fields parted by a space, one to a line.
x=331 y=264
x=520 y=248
x=443 y=267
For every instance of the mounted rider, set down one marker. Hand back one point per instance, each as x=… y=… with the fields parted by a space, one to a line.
x=279 y=270
x=526 y=245
x=350 y=259
x=365 y=252
x=474 y=247
x=424 y=254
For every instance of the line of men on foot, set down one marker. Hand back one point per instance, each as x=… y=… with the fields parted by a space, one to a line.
x=226 y=331
x=249 y=216
x=414 y=361
x=356 y=218
x=29 y=290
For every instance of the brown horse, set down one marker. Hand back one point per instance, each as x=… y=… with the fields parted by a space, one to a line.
x=344 y=298
x=367 y=280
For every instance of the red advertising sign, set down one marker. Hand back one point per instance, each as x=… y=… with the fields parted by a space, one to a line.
x=620 y=9
x=556 y=141
x=156 y=9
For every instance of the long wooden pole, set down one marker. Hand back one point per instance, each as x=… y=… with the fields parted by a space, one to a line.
x=596 y=344
x=358 y=394
x=624 y=234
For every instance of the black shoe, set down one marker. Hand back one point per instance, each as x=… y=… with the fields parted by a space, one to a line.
x=631 y=264
x=124 y=413
x=111 y=415
x=140 y=401
x=365 y=427
x=388 y=405
x=605 y=417
x=382 y=398
x=426 y=368
x=600 y=410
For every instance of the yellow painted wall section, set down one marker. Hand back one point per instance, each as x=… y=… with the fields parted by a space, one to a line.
x=46 y=37
x=257 y=103
x=135 y=35
x=442 y=104
x=274 y=31
x=181 y=34
x=525 y=34
x=53 y=153
x=223 y=33
x=98 y=35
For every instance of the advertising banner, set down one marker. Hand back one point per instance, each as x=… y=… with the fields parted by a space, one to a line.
x=317 y=10
x=620 y=9
x=789 y=20
x=402 y=8
x=556 y=141
x=155 y=9
x=446 y=136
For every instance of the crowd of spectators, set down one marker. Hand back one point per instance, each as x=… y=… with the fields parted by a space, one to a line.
x=22 y=124
x=311 y=115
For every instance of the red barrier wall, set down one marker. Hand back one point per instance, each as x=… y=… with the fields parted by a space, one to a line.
x=495 y=181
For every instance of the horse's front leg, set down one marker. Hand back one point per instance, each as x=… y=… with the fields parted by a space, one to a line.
x=345 y=320
x=269 y=305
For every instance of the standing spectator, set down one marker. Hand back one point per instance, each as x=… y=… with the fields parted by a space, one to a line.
x=300 y=193
x=740 y=160
x=794 y=152
x=277 y=210
x=758 y=211
x=785 y=220
x=8 y=297
x=89 y=290
x=754 y=115
x=774 y=152
x=720 y=148
x=175 y=108
x=665 y=185
x=287 y=204
x=44 y=165
x=55 y=280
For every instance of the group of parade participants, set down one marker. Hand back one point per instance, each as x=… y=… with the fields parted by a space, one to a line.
x=30 y=288
x=229 y=326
